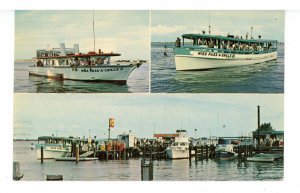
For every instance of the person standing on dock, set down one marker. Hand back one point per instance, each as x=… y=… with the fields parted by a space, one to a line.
x=271 y=141
x=261 y=142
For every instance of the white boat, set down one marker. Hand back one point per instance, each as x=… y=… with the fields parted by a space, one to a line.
x=179 y=149
x=264 y=157
x=68 y=64
x=53 y=147
x=206 y=52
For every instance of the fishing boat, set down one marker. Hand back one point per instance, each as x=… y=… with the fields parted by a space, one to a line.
x=53 y=147
x=179 y=149
x=224 y=150
x=69 y=64
x=206 y=51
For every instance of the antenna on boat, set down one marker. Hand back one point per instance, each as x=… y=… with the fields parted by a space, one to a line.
x=251 y=33
x=209 y=23
x=94 y=29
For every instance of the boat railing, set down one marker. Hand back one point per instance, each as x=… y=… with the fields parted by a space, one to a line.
x=229 y=51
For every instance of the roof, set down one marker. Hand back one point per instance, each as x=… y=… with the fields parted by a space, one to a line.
x=60 y=138
x=268 y=132
x=190 y=36
x=81 y=55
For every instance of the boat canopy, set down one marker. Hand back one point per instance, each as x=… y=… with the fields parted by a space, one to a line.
x=225 y=38
x=89 y=55
x=44 y=138
x=225 y=44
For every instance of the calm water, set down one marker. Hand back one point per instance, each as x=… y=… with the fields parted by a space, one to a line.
x=138 y=82
x=130 y=170
x=265 y=77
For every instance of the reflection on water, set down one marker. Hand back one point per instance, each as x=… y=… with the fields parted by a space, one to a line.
x=164 y=170
x=138 y=82
x=267 y=77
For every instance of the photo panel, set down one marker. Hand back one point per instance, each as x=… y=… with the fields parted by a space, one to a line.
x=185 y=137
x=218 y=51
x=93 y=51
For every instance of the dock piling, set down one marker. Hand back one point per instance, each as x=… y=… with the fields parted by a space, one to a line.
x=42 y=155
x=17 y=174
x=54 y=177
x=206 y=151
x=77 y=153
x=146 y=170
x=190 y=155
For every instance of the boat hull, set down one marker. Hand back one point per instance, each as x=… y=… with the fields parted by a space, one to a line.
x=112 y=73
x=177 y=154
x=223 y=155
x=265 y=157
x=210 y=60
x=51 y=153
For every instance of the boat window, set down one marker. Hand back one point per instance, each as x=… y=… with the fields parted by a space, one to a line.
x=182 y=144
x=175 y=144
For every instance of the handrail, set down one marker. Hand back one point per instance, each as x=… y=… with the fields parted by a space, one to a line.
x=197 y=48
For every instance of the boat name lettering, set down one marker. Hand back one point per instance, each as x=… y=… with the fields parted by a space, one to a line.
x=102 y=69
x=222 y=55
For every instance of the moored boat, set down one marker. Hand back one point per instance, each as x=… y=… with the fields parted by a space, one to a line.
x=179 y=149
x=53 y=147
x=224 y=150
x=205 y=51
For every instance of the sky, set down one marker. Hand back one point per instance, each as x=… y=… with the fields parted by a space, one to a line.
x=144 y=114
x=125 y=32
x=166 y=26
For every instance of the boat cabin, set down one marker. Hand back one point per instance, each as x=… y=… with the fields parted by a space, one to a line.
x=228 y=44
x=72 y=57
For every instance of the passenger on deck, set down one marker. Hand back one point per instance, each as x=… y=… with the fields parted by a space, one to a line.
x=199 y=41
x=211 y=44
x=89 y=63
x=39 y=63
x=269 y=46
x=177 y=42
x=222 y=45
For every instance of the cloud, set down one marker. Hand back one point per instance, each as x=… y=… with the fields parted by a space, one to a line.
x=164 y=29
x=35 y=29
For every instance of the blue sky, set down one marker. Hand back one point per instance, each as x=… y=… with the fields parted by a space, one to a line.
x=144 y=114
x=168 y=25
x=125 y=32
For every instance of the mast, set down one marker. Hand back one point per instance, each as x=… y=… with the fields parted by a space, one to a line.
x=94 y=29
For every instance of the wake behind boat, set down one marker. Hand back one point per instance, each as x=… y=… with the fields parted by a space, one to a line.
x=205 y=51
x=69 y=64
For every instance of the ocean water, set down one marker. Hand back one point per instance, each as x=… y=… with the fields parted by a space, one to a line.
x=138 y=82
x=130 y=170
x=267 y=77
